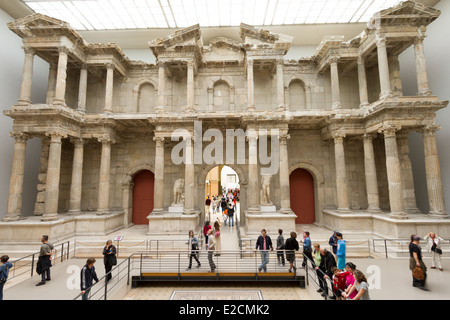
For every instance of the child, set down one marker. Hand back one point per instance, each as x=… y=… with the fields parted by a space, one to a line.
x=339 y=278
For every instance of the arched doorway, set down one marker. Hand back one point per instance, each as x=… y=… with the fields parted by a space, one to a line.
x=302 y=196
x=143 y=196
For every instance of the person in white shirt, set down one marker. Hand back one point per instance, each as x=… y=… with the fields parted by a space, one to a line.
x=434 y=248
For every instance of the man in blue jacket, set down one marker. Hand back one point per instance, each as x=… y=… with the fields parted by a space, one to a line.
x=88 y=275
x=264 y=243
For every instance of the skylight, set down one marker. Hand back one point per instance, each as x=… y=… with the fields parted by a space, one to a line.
x=142 y=14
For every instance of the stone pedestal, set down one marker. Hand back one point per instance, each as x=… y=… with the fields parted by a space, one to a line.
x=271 y=220
x=176 y=209
x=173 y=223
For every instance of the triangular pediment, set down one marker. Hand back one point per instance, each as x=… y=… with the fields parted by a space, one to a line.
x=184 y=37
x=410 y=8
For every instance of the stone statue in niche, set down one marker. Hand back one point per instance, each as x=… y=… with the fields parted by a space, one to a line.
x=265 y=190
x=178 y=192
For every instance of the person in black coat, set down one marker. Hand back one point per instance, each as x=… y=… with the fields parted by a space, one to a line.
x=87 y=277
x=290 y=246
x=109 y=259
x=325 y=266
x=264 y=243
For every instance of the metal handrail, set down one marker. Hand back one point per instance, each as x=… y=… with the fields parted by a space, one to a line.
x=402 y=246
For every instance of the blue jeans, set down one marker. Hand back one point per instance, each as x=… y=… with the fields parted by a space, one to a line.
x=264 y=260
x=85 y=295
x=2 y=283
x=230 y=221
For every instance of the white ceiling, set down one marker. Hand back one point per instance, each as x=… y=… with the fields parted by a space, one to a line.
x=304 y=34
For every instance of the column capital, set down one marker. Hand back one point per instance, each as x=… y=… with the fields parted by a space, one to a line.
x=29 y=50
x=250 y=63
x=106 y=140
x=78 y=142
x=63 y=49
x=284 y=138
x=252 y=136
x=159 y=141
x=110 y=65
x=360 y=59
x=389 y=130
x=55 y=136
x=20 y=136
x=430 y=130
x=339 y=137
x=334 y=60
x=369 y=136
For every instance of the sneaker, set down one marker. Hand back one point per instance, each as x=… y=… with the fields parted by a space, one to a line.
x=188 y=269
x=259 y=269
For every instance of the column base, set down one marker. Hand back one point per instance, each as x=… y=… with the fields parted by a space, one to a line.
x=190 y=109
x=159 y=109
x=398 y=215
x=251 y=108
x=188 y=212
x=50 y=217
x=107 y=110
x=82 y=111
x=424 y=93
x=13 y=218
x=336 y=106
x=74 y=212
x=438 y=215
x=385 y=95
x=286 y=211
x=374 y=210
x=344 y=210
x=281 y=108
x=102 y=212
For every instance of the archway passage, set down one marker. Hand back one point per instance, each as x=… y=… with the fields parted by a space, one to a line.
x=302 y=196
x=144 y=183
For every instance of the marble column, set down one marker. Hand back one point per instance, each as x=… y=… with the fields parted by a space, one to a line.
x=161 y=87
x=104 y=176
x=53 y=176
x=409 y=195
x=394 y=173
x=190 y=101
x=335 y=91
x=308 y=97
x=362 y=80
x=61 y=76
x=250 y=86
x=82 y=90
x=280 y=85
x=109 y=88
x=373 y=198
x=189 y=178
x=433 y=173
x=253 y=176
x=383 y=68
x=52 y=72
x=285 y=192
x=27 y=77
x=159 y=175
x=421 y=65
x=341 y=173
x=395 y=77
x=77 y=174
x=14 y=205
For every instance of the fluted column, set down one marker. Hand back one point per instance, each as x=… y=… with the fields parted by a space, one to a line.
x=341 y=173
x=51 y=86
x=393 y=172
x=189 y=180
x=362 y=80
x=190 y=87
x=14 y=205
x=409 y=195
x=421 y=65
x=82 y=90
x=53 y=175
x=109 y=88
x=159 y=175
x=104 y=177
x=253 y=176
x=60 y=89
x=77 y=174
x=250 y=86
x=335 y=91
x=383 y=68
x=27 y=77
x=433 y=173
x=373 y=198
x=280 y=85
x=284 y=175
x=161 y=87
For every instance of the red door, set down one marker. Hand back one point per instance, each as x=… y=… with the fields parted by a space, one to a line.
x=302 y=196
x=143 y=196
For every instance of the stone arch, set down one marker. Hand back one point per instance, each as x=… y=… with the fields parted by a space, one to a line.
x=127 y=190
x=243 y=181
x=319 y=186
x=307 y=90
x=137 y=89
x=211 y=85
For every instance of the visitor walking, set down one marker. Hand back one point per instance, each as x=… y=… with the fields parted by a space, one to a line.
x=194 y=250
x=434 y=248
x=290 y=246
x=211 y=248
x=207 y=206
x=87 y=277
x=326 y=264
x=361 y=287
x=216 y=232
x=223 y=207
x=4 y=272
x=230 y=214
x=264 y=244
x=45 y=260
x=416 y=264
x=109 y=258
x=280 y=248
x=341 y=251
x=307 y=248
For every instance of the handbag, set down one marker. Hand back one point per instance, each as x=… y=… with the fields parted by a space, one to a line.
x=113 y=260
x=418 y=273
x=438 y=251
